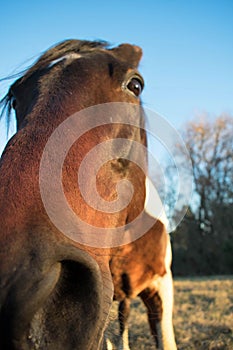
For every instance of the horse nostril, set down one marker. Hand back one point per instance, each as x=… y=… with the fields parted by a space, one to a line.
x=66 y=298
x=76 y=303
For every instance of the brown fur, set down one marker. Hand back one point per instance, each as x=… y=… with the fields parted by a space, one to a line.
x=55 y=293
x=137 y=270
x=140 y=261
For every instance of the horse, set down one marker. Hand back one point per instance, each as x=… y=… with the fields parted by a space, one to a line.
x=56 y=291
x=55 y=287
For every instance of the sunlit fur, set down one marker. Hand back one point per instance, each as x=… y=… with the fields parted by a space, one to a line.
x=55 y=293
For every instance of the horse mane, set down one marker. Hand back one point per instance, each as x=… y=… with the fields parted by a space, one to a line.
x=55 y=52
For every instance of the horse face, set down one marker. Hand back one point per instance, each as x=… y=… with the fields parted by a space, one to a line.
x=55 y=292
x=77 y=78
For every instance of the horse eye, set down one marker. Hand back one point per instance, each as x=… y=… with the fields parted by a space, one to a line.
x=13 y=103
x=135 y=85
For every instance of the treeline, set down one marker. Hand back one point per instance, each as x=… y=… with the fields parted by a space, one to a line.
x=196 y=252
x=203 y=241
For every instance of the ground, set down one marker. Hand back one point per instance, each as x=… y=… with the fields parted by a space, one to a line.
x=203 y=316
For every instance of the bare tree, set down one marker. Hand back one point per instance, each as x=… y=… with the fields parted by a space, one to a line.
x=210 y=144
x=205 y=236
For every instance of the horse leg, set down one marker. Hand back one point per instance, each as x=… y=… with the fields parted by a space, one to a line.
x=158 y=299
x=107 y=344
x=123 y=314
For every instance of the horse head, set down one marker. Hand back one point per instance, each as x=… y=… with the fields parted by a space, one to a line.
x=55 y=290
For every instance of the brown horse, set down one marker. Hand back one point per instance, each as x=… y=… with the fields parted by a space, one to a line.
x=55 y=291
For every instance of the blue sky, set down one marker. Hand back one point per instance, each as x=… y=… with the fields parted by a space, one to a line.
x=188 y=46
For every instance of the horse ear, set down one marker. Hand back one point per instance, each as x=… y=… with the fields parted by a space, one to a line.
x=129 y=53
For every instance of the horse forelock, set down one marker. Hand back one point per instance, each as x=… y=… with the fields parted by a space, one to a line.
x=65 y=49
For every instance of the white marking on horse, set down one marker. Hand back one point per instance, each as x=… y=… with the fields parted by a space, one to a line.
x=124 y=340
x=109 y=345
x=71 y=56
x=166 y=294
x=153 y=204
x=164 y=285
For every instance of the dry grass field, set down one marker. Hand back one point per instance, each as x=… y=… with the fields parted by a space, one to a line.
x=203 y=316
